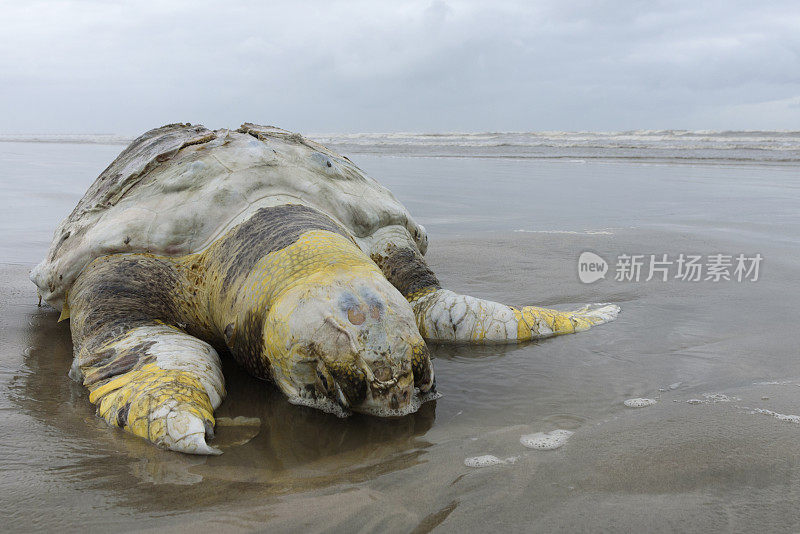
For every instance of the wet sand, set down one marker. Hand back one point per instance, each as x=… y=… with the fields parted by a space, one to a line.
x=712 y=465
x=715 y=463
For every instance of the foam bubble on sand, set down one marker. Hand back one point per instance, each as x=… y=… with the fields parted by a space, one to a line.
x=639 y=402
x=546 y=441
x=671 y=387
x=778 y=416
x=719 y=397
x=711 y=398
x=488 y=460
x=327 y=405
x=417 y=400
x=572 y=232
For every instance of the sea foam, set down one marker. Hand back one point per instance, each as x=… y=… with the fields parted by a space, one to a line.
x=546 y=441
x=639 y=402
x=488 y=460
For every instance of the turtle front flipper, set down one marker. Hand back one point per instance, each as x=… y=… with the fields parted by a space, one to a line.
x=145 y=374
x=446 y=316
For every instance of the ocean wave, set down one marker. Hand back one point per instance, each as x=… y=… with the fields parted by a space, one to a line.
x=93 y=139
x=780 y=146
x=679 y=145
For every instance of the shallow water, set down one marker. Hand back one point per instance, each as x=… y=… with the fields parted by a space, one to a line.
x=723 y=461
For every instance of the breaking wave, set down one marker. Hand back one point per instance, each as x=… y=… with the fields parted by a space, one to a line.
x=732 y=146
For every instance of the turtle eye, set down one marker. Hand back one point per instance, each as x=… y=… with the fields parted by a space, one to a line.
x=375 y=312
x=356 y=316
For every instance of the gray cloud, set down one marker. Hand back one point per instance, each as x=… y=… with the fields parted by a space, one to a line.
x=85 y=66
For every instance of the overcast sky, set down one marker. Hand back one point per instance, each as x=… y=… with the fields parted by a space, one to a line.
x=314 y=67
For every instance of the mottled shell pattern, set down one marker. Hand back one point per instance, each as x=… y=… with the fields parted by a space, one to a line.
x=177 y=188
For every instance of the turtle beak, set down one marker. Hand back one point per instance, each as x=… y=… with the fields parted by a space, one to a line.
x=358 y=389
x=388 y=392
x=363 y=381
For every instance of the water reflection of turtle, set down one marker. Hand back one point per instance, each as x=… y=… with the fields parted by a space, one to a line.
x=268 y=246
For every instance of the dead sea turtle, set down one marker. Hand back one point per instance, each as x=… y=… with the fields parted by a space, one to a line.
x=267 y=246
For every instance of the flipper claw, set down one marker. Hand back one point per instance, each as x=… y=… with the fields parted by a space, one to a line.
x=185 y=432
x=598 y=313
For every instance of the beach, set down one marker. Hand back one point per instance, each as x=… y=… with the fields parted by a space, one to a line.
x=717 y=450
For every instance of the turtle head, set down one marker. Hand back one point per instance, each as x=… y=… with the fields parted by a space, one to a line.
x=348 y=342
